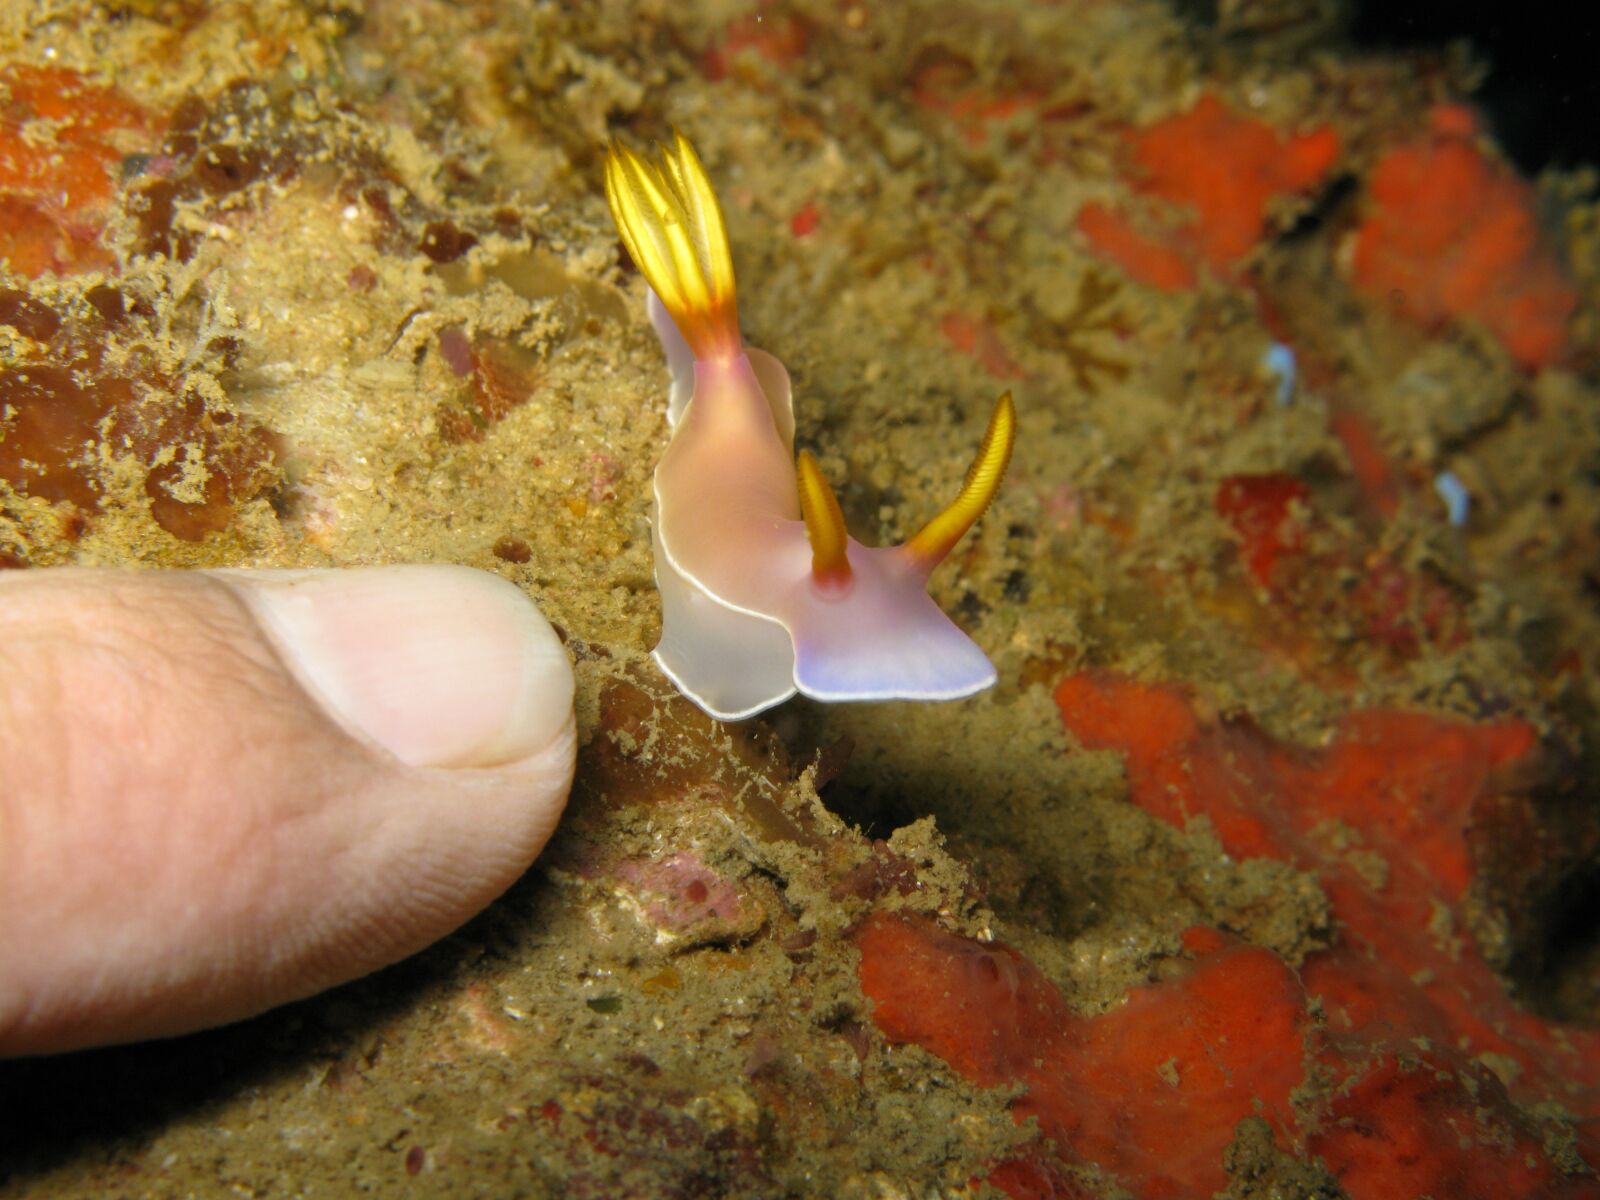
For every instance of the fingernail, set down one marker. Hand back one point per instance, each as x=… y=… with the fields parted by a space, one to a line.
x=442 y=666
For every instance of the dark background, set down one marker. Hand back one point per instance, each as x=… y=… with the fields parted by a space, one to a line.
x=1542 y=95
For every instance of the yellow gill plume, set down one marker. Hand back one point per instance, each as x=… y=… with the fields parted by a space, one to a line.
x=830 y=565
x=669 y=218
x=939 y=536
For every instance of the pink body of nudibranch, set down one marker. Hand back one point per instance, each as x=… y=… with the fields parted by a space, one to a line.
x=763 y=593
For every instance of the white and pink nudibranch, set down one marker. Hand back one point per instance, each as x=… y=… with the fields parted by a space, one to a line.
x=763 y=593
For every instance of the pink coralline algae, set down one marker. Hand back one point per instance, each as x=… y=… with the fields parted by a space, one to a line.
x=684 y=898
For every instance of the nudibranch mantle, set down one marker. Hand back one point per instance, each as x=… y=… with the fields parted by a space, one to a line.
x=763 y=593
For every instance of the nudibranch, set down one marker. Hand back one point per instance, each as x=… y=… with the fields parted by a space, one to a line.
x=763 y=592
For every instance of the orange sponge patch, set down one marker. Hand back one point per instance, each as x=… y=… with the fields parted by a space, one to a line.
x=59 y=161
x=1382 y=816
x=1150 y=1092
x=1454 y=234
x=1140 y=256
x=1221 y=169
x=1226 y=168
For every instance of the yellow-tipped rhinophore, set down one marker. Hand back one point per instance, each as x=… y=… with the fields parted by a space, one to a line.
x=670 y=220
x=939 y=536
x=830 y=562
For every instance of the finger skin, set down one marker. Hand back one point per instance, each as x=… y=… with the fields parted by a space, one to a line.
x=187 y=839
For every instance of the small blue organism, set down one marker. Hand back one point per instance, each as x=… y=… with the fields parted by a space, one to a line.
x=1457 y=500
x=1279 y=361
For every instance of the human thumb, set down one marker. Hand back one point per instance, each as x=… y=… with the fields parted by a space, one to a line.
x=223 y=791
